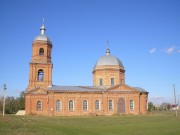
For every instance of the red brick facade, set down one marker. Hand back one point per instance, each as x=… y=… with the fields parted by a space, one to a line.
x=113 y=97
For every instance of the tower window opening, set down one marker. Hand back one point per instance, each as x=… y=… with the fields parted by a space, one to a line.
x=40 y=75
x=112 y=81
x=41 y=51
x=101 y=82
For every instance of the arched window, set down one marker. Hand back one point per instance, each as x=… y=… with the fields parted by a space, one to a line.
x=110 y=105
x=41 y=51
x=71 y=105
x=58 y=105
x=40 y=75
x=131 y=104
x=97 y=105
x=39 y=105
x=112 y=81
x=101 y=82
x=85 y=105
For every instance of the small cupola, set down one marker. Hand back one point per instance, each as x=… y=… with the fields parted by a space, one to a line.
x=108 y=60
x=42 y=36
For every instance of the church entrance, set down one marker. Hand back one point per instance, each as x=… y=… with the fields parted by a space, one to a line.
x=121 y=106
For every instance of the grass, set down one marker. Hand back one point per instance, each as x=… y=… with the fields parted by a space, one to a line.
x=161 y=123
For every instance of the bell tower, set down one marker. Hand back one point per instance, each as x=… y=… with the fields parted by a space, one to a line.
x=40 y=66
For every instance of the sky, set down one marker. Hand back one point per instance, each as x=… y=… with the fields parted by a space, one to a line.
x=143 y=34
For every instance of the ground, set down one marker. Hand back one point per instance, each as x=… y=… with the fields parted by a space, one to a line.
x=161 y=123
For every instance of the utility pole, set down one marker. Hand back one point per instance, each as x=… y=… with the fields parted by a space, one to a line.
x=175 y=99
x=4 y=99
x=178 y=100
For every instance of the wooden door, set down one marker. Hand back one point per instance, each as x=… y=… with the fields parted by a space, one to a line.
x=121 y=105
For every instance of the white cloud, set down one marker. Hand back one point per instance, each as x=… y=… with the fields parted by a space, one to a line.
x=153 y=50
x=170 y=50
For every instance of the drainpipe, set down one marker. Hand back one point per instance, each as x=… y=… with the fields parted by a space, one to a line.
x=53 y=105
x=47 y=103
x=102 y=104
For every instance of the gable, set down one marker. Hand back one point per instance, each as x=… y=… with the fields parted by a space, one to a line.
x=122 y=87
x=38 y=91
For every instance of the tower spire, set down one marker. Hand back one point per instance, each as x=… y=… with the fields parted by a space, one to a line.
x=43 y=21
x=107 y=50
x=43 y=29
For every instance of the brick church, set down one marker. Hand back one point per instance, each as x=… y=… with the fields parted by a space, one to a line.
x=109 y=94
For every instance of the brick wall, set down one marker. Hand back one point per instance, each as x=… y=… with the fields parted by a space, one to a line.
x=49 y=103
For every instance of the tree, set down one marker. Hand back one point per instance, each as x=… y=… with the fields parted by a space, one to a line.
x=11 y=105
x=21 y=101
x=165 y=106
x=150 y=106
x=14 y=104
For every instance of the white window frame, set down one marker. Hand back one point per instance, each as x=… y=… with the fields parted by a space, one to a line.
x=112 y=80
x=100 y=82
x=72 y=106
x=99 y=105
x=59 y=108
x=131 y=104
x=112 y=106
x=86 y=105
x=37 y=106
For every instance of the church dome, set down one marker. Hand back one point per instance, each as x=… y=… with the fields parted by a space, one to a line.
x=108 y=59
x=42 y=35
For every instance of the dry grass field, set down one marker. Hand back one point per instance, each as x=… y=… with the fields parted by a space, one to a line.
x=158 y=123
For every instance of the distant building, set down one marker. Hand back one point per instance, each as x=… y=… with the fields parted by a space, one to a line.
x=174 y=107
x=109 y=94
